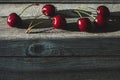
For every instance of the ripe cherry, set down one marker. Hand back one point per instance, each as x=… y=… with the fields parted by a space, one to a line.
x=58 y=21
x=48 y=10
x=14 y=20
x=84 y=24
x=103 y=10
x=101 y=21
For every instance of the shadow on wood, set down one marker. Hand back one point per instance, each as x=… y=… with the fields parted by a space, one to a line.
x=44 y=23
x=111 y=27
x=69 y=13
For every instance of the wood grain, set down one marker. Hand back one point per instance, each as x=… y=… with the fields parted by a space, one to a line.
x=86 y=75
x=75 y=68
x=58 y=64
x=64 y=1
x=61 y=47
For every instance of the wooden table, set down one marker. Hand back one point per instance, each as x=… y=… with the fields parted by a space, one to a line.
x=55 y=54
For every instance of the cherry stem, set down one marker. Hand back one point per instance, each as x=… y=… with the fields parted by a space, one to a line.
x=87 y=14
x=78 y=13
x=87 y=7
x=25 y=9
x=34 y=20
x=30 y=25
x=38 y=16
x=28 y=30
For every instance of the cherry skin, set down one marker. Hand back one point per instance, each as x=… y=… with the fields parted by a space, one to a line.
x=103 y=10
x=48 y=10
x=101 y=21
x=84 y=24
x=14 y=20
x=58 y=21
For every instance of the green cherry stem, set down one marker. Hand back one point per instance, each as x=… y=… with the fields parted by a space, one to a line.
x=92 y=8
x=25 y=9
x=75 y=10
x=34 y=19
x=81 y=7
x=38 y=16
x=28 y=30
x=30 y=25
x=87 y=14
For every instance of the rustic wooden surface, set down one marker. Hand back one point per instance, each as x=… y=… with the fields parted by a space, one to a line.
x=55 y=54
x=61 y=8
x=74 y=68
x=46 y=41
x=63 y=1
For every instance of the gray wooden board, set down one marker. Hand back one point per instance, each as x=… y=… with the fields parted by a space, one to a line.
x=74 y=68
x=61 y=47
x=86 y=75
x=58 y=64
x=64 y=1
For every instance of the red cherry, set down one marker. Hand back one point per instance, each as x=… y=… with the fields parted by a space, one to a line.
x=14 y=20
x=103 y=10
x=84 y=24
x=48 y=10
x=58 y=21
x=101 y=21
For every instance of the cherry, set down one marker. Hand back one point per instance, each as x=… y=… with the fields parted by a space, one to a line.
x=48 y=10
x=84 y=24
x=101 y=21
x=14 y=20
x=103 y=10
x=58 y=21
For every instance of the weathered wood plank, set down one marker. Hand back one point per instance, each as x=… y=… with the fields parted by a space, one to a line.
x=64 y=1
x=59 y=64
x=86 y=75
x=64 y=68
x=61 y=47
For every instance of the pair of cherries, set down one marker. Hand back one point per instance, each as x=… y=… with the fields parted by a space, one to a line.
x=57 y=20
x=101 y=20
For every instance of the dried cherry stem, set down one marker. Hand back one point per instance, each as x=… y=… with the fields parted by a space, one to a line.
x=28 y=30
